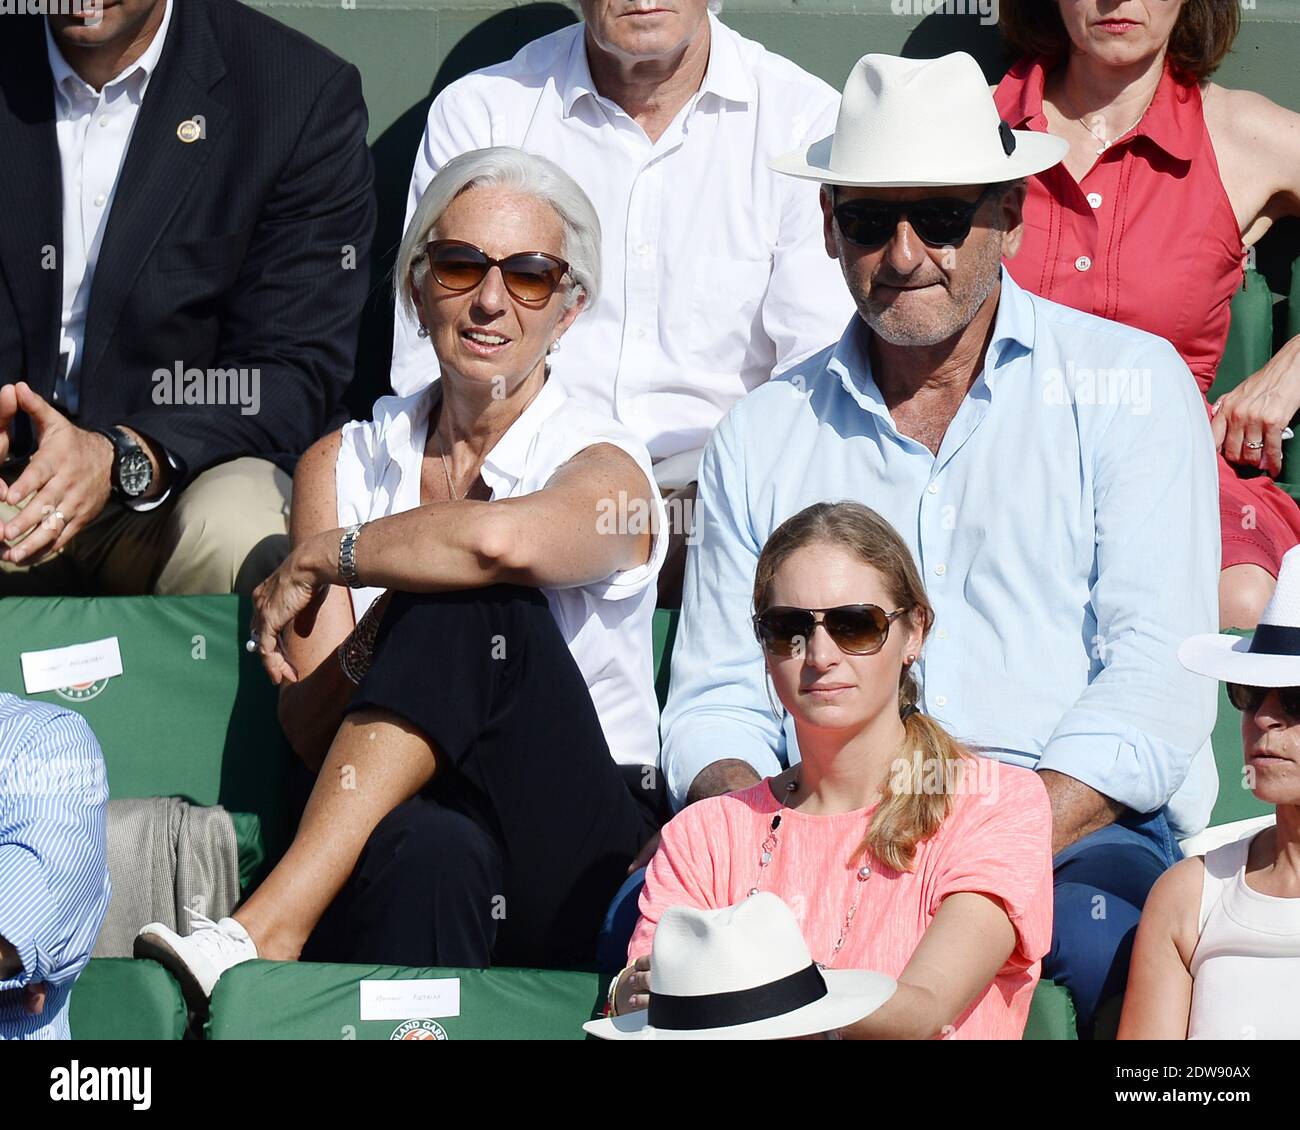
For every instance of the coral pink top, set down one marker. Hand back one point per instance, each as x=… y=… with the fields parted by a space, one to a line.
x=1149 y=238
x=996 y=841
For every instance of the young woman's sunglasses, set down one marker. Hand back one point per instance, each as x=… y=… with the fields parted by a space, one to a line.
x=1250 y=699
x=531 y=276
x=940 y=221
x=857 y=629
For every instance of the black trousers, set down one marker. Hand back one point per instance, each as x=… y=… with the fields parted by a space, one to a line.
x=511 y=854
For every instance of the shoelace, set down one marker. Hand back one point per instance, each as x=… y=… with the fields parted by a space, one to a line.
x=212 y=935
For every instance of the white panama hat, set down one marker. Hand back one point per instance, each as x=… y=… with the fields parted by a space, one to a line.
x=742 y=973
x=911 y=123
x=1270 y=656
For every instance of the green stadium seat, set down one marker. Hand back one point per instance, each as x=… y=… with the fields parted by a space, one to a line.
x=665 y=635
x=1250 y=338
x=270 y=1000
x=1051 y=1013
x=118 y=998
x=192 y=714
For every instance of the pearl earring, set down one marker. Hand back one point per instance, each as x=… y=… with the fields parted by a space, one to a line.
x=423 y=331
x=554 y=346
x=911 y=659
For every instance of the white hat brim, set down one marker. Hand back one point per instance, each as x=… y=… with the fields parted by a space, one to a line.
x=852 y=994
x=1229 y=659
x=1034 y=153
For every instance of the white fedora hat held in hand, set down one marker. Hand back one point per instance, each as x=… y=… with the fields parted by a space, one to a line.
x=912 y=123
x=742 y=973
x=1270 y=656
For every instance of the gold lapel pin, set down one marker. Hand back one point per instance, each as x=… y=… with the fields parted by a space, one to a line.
x=189 y=130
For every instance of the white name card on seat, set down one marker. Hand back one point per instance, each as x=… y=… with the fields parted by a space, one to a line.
x=407 y=1000
x=70 y=666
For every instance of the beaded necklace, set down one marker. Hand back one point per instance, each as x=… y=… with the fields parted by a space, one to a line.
x=769 y=846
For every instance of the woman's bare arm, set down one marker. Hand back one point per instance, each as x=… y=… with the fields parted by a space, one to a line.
x=312 y=709
x=963 y=948
x=552 y=538
x=1158 y=999
x=1257 y=145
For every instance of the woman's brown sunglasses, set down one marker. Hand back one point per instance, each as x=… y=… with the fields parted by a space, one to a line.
x=530 y=276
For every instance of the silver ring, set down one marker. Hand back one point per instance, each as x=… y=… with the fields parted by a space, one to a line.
x=1253 y=446
x=59 y=515
x=250 y=645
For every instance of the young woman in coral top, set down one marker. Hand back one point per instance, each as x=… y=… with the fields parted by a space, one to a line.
x=897 y=849
x=1168 y=180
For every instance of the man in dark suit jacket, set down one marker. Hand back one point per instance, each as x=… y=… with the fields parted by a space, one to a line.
x=206 y=169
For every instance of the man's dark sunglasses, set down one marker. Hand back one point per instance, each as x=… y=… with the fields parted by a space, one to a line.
x=531 y=276
x=940 y=221
x=1249 y=699
x=857 y=629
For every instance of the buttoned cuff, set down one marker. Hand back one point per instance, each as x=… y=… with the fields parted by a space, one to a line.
x=1121 y=765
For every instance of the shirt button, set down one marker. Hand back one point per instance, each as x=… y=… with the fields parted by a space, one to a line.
x=103 y=119
x=942 y=700
x=1094 y=199
x=933 y=488
x=1082 y=263
x=940 y=569
x=100 y=200
x=942 y=633
x=639 y=332
x=643 y=249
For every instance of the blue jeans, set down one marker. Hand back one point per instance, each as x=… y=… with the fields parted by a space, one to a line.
x=1102 y=882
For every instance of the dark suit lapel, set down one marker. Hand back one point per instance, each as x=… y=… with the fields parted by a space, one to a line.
x=159 y=170
x=31 y=208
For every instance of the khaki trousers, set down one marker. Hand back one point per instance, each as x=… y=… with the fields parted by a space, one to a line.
x=225 y=532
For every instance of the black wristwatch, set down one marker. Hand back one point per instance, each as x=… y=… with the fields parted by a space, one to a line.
x=132 y=470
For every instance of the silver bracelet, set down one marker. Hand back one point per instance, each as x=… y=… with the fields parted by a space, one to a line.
x=348 y=556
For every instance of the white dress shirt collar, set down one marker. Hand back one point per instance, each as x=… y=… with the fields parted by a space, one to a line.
x=135 y=76
x=726 y=75
x=505 y=464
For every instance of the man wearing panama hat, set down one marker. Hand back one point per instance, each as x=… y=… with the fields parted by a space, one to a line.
x=1052 y=473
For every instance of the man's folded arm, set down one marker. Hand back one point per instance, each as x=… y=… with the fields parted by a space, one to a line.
x=54 y=886
x=717 y=708
x=294 y=312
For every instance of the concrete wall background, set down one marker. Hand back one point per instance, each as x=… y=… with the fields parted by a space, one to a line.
x=408 y=50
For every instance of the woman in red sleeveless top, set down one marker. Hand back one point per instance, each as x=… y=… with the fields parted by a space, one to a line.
x=1168 y=180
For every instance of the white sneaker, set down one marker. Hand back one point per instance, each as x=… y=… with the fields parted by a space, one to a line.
x=197 y=961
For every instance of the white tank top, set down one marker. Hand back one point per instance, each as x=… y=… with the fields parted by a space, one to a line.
x=1246 y=966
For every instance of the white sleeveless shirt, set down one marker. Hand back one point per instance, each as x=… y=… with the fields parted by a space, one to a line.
x=1246 y=965
x=608 y=624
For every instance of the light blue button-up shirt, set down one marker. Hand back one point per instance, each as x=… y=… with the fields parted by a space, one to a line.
x=1067 y=533
x=54 y=887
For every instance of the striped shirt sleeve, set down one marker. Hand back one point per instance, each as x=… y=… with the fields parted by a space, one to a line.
x=54 y=886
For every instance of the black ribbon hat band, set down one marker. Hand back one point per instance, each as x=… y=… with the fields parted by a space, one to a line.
x=741 y=1006
x=1275 y=639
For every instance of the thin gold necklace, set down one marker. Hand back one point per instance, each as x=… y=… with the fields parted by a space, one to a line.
x=1106 y=144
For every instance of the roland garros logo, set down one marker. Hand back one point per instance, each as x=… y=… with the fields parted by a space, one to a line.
x=82 y=692
x=420 y=1030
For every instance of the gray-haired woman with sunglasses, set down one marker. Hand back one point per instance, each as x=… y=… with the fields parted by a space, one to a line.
x=462 y=632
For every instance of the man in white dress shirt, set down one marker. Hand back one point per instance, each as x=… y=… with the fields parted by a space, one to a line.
x=716 y=276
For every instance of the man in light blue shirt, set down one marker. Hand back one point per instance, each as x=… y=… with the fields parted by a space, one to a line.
x=1054 y=476
x=54 y=885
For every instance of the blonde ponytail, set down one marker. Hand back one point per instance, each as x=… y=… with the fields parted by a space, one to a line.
x=914 y=805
